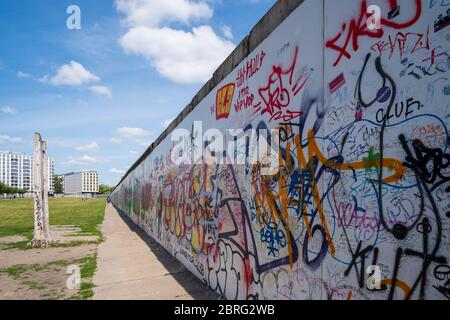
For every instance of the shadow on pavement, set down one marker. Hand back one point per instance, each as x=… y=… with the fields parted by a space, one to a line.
x=193 y=285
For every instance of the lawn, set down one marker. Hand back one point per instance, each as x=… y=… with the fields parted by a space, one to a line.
x=46 y=278
x=16 y=216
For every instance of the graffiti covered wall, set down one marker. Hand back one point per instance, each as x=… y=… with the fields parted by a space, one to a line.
x=360 y=206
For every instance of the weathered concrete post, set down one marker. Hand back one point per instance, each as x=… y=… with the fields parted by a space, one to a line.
x=42 y=236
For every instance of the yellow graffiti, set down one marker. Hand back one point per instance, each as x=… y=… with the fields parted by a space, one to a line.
x=398 y=283
x=265 y=196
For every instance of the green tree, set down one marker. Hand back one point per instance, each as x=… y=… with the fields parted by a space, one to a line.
x=3 y=188
x=58 y=184
x=105 y=189
x=11 y=190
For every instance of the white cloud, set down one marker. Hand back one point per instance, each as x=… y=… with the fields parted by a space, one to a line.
x=183 y=57
x=101 y=90
x=167 y=122
x=152 y=13
x=116 y=140
x=117 y=171
x=83 y=160
x=8 y=110
x=88 y=147
x=138 y=136
x=71 y=74
x=12 y=140
x=133 y=152
x=227 y=32
x=21 y=74
x=136 y=133
x=44 y=79
x=179 y=55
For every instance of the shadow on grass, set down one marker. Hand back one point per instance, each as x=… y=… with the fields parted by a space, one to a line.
x=193 y=285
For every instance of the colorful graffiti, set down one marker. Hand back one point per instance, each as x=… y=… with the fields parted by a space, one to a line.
x=363 y=185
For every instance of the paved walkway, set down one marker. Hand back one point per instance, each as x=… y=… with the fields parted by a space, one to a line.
x=130 y=265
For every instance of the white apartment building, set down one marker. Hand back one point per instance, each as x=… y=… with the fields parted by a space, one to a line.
x=81 y=183
x=16 y=170
x=51 y=174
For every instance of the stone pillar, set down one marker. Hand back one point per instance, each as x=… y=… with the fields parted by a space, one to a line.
x=42 y=236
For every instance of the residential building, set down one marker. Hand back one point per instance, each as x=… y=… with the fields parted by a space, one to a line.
x=16 y=170
x=51 y=174
x=81 y=183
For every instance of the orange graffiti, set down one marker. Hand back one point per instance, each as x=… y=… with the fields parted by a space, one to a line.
x=349 y=295
x=265 y=195
x=398 y=283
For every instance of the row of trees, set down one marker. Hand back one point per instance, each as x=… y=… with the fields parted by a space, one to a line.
x=11 y=190
x=58 y=184
x=105 y=189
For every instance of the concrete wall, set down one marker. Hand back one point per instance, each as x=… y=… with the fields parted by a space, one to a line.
x=364 y=172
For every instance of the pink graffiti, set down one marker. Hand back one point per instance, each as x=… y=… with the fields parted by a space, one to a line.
x=281 y=88
x=357 y=28
x=351 y=217
x=400 y=42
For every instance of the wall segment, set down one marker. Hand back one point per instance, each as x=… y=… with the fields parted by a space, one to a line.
x=363 y=162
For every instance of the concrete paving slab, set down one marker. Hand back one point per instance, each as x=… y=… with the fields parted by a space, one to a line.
x=132 y=266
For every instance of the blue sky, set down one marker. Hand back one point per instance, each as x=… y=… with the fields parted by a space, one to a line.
x=102 y=94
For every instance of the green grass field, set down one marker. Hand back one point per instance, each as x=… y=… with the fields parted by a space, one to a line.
x=16 y=219
x=16 y=216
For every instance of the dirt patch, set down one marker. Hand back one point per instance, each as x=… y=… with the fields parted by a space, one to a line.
x=9 y=258
x=65 y=236
x=46 y=282
x=37 y=274
x=68 y=234
x=44 y=273
x=12 y=239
